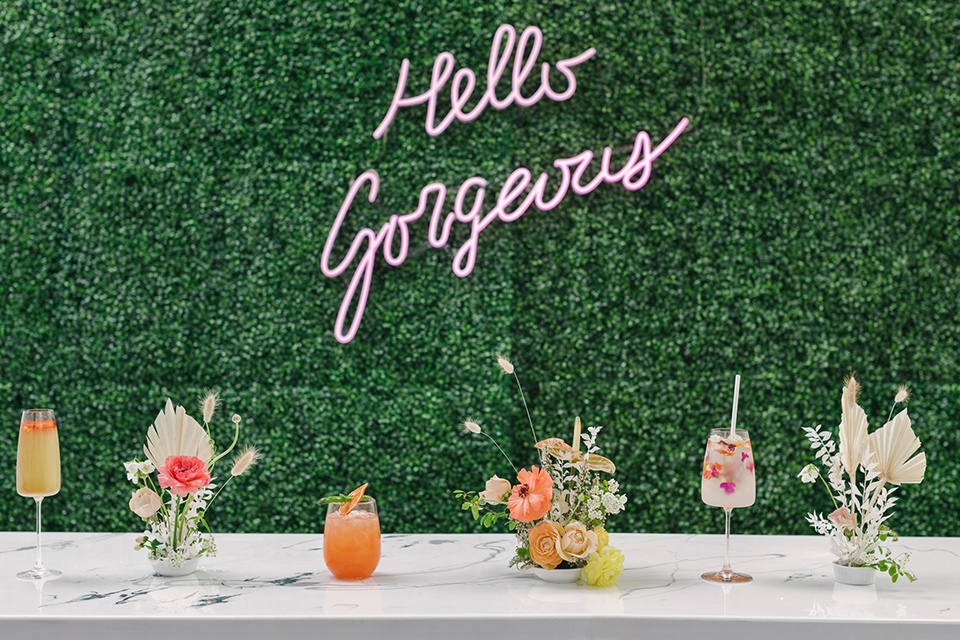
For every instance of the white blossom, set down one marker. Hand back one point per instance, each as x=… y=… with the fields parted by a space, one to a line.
x=137 y=471
x=809 y=473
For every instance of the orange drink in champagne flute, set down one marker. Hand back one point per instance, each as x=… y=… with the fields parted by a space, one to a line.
x=38 y=459
x=351 y=537
x=38 y=471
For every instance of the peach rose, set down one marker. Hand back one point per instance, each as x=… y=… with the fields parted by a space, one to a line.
x=145 y=503
x=577 y=542
x=545 y=544
x=497 y=489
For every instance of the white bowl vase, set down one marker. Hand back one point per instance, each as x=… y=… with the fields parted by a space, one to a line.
x=164 y=568
x=559 y=576
x=856 y=576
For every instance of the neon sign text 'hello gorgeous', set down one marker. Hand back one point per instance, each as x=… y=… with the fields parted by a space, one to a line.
x=518 y=193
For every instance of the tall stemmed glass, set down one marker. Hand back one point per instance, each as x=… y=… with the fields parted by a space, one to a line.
x=728 y=481
x=38 y=472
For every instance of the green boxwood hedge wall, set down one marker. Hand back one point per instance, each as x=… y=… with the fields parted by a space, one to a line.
x=169 y=171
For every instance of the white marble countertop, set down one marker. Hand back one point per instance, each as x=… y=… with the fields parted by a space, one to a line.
x=427 y=585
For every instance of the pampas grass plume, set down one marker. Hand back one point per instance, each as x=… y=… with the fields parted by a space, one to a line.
x=852 y=387
x=903 y=394
x=246 y=459
x=209 y=404
x=471 y=426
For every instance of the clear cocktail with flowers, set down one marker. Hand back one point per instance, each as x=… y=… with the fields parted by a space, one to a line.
x=728 y=481
x=728 y=474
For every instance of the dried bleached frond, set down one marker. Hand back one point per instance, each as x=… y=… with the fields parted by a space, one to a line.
x=559 y=449
x=599 y=463
x=174 y=433
x=853 y=428
x=892 y=445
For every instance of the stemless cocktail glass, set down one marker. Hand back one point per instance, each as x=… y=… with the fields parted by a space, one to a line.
x=38 y=471
x=728 y=481
x=351 y=541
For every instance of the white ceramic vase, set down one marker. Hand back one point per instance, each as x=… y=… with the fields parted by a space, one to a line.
x=164 y=568
x=856 y=576
x=559 y=576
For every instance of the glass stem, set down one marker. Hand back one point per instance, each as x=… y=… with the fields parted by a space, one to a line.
x=726 y=572
x=39 y=566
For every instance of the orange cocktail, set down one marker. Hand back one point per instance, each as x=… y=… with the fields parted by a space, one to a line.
x=38 y=458
x=38 y=472
x=351 y=541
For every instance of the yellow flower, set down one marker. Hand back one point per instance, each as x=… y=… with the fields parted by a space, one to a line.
x=604 y=567
x=603 y=538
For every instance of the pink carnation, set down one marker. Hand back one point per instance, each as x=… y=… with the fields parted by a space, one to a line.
x=183 y=475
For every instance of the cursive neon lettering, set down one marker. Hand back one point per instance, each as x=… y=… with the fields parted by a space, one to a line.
x=464 y=81
x=515 y=185
x=523 y=65
x=632 y=176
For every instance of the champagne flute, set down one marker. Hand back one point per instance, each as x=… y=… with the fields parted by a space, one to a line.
x=38 y=472
x=728 y=481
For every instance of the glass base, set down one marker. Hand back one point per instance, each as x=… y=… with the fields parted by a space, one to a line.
x=34 y=575
x=727 y=577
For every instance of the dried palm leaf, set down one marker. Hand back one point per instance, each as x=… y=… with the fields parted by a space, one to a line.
x=174 y=433
x=892 y=446
x=557 y=448
x=599 y=463
x=853 y=428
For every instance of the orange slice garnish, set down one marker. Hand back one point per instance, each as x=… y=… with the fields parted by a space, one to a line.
x=356 y=496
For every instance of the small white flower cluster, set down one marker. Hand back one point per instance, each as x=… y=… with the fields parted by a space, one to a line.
x=137 y=471
x=158 y=538
x=604 y=500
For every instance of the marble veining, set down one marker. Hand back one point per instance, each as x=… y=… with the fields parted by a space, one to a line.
x=428 y=583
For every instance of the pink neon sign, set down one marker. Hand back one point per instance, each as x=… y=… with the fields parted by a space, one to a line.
x=633 y=175
x=460 y=94
x=519 y=192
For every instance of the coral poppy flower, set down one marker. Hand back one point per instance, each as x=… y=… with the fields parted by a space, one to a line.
x=530 y=500
x=183 y=475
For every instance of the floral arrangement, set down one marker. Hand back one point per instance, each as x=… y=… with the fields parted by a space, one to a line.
x=862 y=475
x=183 y=454
x=558 y=509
